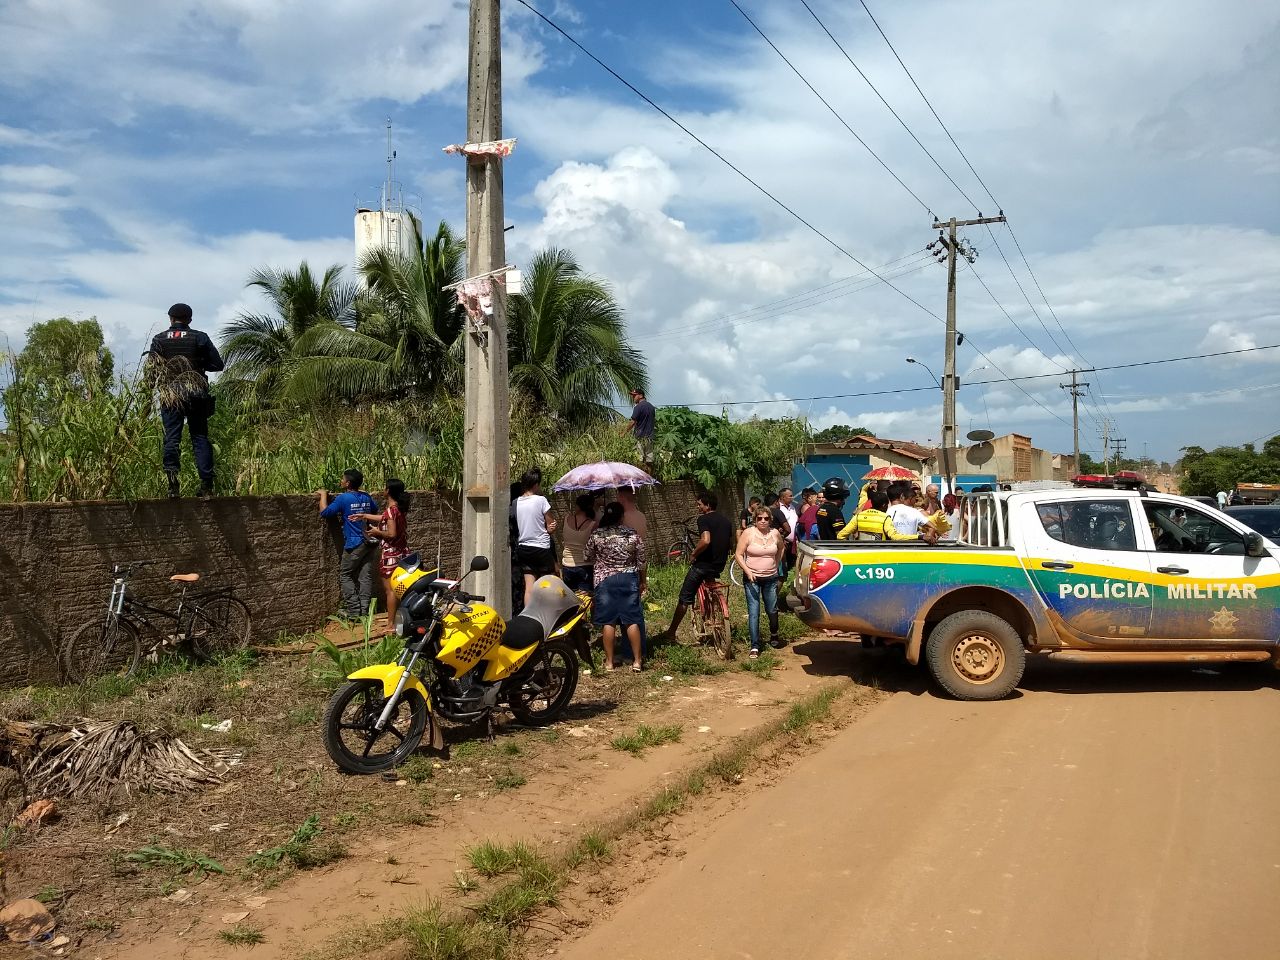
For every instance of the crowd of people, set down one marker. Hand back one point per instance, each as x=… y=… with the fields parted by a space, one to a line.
x=602 y=546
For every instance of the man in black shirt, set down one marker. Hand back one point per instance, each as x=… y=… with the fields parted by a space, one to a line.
x=184 y=358
x=715 y=543
x=831 y=512
x=641 y=425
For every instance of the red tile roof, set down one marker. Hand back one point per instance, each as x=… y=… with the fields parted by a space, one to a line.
x=905 y=448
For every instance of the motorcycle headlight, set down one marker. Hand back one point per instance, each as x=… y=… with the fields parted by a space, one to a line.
x=401 y=623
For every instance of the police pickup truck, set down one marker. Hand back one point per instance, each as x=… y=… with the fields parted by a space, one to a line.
x=1101 y=576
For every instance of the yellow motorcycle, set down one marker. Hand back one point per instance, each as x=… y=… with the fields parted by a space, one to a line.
x=461 y=661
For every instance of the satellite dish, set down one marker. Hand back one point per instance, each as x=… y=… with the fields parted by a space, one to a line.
x=980 y=436
x=980 y=453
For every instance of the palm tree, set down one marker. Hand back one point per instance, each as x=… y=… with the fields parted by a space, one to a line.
x=406 y=341
x=261 y=348
x=567 y=347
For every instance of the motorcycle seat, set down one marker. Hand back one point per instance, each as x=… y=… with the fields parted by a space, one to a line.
x=522 y=632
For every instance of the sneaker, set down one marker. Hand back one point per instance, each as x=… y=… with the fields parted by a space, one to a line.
x=754 y=654
x=776 y=642
x=206 y=488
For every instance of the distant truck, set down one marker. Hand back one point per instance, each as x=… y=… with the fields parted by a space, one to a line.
x=1089 y=575
x=1257 y=493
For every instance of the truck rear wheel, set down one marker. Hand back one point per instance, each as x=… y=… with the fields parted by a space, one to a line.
x=974 y=655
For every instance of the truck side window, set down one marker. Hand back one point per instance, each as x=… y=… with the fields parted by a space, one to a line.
x=1180 y=530
x=1091 y=524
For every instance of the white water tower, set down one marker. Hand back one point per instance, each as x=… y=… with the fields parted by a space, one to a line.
x=388 y=225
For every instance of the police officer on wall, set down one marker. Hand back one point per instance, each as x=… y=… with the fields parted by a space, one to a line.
x=187 y=357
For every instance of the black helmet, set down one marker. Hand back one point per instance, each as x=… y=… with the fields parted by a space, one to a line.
x=835 y=489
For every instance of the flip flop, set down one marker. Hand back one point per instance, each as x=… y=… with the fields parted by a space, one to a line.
x=636 y=668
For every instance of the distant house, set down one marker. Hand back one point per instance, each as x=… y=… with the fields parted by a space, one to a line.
x=852 y=459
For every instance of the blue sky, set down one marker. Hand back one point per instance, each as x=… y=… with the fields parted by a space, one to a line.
x=161 y=151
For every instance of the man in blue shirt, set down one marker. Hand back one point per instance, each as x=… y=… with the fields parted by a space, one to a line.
x=359 y=555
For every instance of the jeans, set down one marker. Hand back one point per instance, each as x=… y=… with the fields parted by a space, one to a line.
x=196 y=416
x=355 y=577
x=768 y=588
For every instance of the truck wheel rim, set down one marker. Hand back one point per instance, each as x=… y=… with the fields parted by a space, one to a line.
x=978 y=658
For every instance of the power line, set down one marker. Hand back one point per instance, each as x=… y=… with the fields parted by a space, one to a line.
x=826 y=104
x=974 y=383
x=1008 y=317
x=719 y=156
x=841 y=48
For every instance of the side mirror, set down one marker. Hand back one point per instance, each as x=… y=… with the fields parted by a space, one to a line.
x=1254 y=545
x=479 y=563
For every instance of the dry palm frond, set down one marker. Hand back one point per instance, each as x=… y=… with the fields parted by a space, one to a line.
x=176 y=381
x=102 y=757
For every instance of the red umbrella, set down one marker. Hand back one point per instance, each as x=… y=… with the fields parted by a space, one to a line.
x=891 y=473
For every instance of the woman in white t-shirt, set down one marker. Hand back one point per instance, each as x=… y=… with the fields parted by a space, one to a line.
x=533 y=544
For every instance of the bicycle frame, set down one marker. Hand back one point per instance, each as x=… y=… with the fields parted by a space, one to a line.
x=123 y=604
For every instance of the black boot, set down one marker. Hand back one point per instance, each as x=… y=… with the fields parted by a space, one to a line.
x=206 y=488
x=174 y=490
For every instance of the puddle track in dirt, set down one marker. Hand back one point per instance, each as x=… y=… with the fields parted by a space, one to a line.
x=587 y=782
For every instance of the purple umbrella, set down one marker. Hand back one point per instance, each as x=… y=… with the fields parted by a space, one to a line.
x=602 y=476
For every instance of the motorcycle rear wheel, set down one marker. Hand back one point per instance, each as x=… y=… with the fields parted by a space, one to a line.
x=349 y=734
x=548 y=688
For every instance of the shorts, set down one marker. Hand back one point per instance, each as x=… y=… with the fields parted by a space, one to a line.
x=537 y=561
x=617 y=601
x=390 y=560
x=578 y=579
x=644 y=447
x=696 y=577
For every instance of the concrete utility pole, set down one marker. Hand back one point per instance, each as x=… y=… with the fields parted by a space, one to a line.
x=949 y=384
x=1118 y=442
x=1076 y=394
x=486 y=468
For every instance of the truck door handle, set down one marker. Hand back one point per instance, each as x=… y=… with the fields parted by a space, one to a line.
x=1172 y=570
x=1056 y=565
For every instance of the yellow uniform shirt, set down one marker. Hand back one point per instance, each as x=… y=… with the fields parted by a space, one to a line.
x=871 y=524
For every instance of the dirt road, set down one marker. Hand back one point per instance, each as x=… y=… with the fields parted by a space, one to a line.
x=1128 y=815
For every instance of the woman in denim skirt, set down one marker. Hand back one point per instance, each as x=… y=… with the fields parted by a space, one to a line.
x=617 y=554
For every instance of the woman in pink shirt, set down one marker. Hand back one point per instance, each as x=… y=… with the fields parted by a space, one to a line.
x=760 y=549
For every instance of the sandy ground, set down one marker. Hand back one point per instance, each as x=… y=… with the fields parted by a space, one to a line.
x=1101 y=813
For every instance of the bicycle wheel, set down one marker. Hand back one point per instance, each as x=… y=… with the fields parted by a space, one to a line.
x=698 y=616
x=102 y=647
x=718 y=624
x=219 y=625
x=679 y=551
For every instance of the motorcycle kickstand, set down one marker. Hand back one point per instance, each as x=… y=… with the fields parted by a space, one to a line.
x=492 y=732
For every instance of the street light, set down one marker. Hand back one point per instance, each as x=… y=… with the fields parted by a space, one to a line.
x=926 y=366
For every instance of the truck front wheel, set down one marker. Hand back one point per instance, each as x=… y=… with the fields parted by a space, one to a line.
x=974 y=655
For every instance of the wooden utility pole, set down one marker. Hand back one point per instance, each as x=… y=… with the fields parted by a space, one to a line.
x=949 y=384
x=486 y=467
x=1106 y=447
x=1076 y=394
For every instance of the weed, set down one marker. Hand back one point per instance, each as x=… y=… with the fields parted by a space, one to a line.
x=345 y=819
x=491 y=859
x=696 y=783
x=728 y=767
x=302 y=717
x=686 y=661
x=333 y=665
x=300 y=850
x=511 y=749
x=434 y=935
x=509 y=780
x=392 y=860
x=538 y=885
x=809 y=711
x=179 y=861
x=463 y=883
x=551 y=736
x=763 y=667
x=645 y=737
x=50 y=894
x=96 y=923
x=417 y=769
x=241 y=935
x=466 y=750
x=666 y=802
x=595 y=846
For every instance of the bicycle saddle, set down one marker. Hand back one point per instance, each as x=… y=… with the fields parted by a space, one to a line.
x=185 y=577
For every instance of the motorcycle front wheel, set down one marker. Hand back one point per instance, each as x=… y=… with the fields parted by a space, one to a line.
x=350 y=735
x=546 y=690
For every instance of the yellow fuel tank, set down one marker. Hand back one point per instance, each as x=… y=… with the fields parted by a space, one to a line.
x=468 y=637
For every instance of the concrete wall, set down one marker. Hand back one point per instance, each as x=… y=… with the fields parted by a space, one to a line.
x=55 y=559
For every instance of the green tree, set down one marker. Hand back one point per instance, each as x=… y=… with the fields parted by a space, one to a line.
x=840 y=432
x=262 y=350
x=1205 y=473
x=62 y=359
x=567 y=348
x=407 y=340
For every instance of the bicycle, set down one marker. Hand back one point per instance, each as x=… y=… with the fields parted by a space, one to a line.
x=208 y=623
x=710 y=617
x=680 y=550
